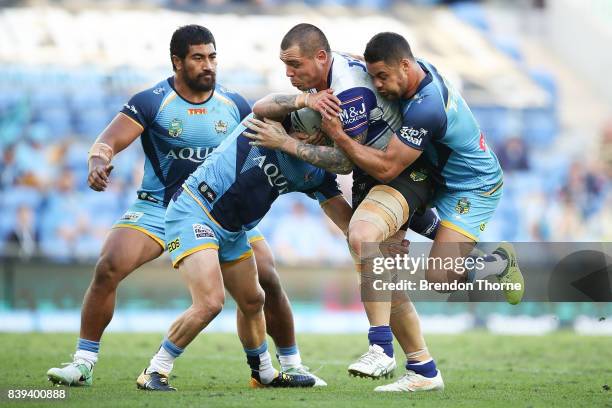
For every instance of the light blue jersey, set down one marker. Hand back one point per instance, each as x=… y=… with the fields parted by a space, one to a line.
x=177 y=135
x=231 y=192
x=466 y=172
x=437 y=121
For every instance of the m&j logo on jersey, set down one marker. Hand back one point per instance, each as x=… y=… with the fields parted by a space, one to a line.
x=201 y=231
x=353 y=111
x=131 y=216
x=412 y=135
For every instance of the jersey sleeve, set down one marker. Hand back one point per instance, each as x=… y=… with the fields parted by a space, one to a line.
x=328 y=188
x=356 y=104
x=142 y=107
x=423 y=120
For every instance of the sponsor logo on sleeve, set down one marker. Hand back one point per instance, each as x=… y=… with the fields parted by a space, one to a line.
x=412 y=135
x=159 y=91
x=201 y=231
x=207 y=192
x=131 y=108
x=131 y=216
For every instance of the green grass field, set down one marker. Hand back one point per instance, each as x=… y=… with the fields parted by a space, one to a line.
x=479 y=369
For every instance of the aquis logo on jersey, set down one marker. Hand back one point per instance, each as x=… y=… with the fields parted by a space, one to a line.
x=197 y=111
x=176 y=128
x=193 y=154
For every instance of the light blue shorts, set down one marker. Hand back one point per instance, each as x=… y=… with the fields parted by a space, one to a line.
x=189 y=229
x=149 y=218
x=467 y=212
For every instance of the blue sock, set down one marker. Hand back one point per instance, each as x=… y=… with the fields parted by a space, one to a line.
x=425 y=368
x=382 y=336
x=88 y=345
x=172 y=348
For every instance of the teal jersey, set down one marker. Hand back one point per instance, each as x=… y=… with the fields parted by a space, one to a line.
x=178 y=135
x=438 y=121
x=238 y=182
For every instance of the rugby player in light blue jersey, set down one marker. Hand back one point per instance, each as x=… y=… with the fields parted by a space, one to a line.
x=207 y=222
x=438 y=125
x=180 y=121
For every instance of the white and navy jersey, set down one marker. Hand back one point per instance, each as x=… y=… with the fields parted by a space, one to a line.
x=238 y=182
x=363 y=108
x=438 y=121
x=177 y=135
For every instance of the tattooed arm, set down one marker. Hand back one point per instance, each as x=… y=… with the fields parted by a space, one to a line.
x=330 y=158
x=272 y=135
x=277 y=106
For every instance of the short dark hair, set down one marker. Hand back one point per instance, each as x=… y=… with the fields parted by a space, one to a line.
x=387 y=47
x=308 y=37
x=185 y=36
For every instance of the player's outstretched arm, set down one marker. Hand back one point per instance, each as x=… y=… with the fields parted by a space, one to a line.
x=277 y=106
x=384 y=165
x=119 y=134
x=272 y=135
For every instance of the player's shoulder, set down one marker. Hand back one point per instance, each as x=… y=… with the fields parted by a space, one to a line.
x=347 y=73
x=428 y=101
x=232 y=98
x=154 y=95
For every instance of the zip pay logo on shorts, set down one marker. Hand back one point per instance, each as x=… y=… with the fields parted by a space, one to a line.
x=131 y=216
x=201 y=231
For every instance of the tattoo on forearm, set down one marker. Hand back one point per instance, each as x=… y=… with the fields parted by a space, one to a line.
x=278 y=105
x=329 y=158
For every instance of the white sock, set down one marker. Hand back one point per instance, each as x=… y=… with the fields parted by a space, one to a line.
x=89 y=357
x=290 y=361
x=162 y=362
x=266 y=370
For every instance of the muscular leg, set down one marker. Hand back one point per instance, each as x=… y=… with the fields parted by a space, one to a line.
x=202 y=273
x=448 y=244
x=277 y=309
x=124 y=250
x=362 y=232
x=241 y=282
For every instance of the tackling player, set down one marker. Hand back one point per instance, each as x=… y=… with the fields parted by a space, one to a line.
x=181 y=120
x=206 y=232
x=437 y=124
x=381 y=210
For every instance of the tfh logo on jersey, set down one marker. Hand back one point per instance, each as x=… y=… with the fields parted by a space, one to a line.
x=201 y=231
x=197 y=111
x=275 y=177
x=412 y=135
x=196 y=155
